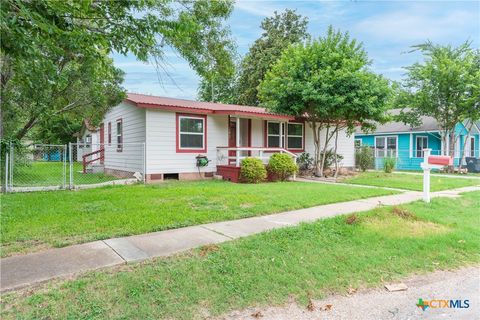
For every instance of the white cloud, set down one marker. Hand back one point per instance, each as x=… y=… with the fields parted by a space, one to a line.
x=418 y=23
x=258 y=8
x=389 y=70
x=132 y=64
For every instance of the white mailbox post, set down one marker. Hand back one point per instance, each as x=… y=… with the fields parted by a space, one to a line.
x=431 y=162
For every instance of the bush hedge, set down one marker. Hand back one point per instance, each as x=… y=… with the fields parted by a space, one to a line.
x=364 y=158
x=252 y=170
x=281 y=166
x=389 y=164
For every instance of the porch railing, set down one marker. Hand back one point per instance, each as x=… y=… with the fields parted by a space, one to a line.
x=234 y=155
x=86 y=162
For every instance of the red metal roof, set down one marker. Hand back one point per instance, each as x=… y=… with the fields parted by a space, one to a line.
x=164 y=103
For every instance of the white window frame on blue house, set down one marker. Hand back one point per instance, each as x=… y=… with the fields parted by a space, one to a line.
x=419 y=152
x=473 y=144
x=385 y=144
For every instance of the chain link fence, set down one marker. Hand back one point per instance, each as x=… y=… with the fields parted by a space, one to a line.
x=53 y=167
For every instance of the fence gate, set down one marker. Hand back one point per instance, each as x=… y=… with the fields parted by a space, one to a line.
x=79 y=165
x=97 y=164
x=36 y=167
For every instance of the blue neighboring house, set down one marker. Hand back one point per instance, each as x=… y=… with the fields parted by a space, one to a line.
x=406 y=143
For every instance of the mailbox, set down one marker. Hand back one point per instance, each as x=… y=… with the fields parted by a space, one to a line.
x=432 y=162
x=440 y=160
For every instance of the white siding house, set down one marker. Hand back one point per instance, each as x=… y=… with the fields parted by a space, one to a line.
x=124 y=138
x=88 y=140
x=162 y=137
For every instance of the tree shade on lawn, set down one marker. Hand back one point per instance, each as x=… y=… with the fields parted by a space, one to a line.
x=311 y=260
x=32 y=221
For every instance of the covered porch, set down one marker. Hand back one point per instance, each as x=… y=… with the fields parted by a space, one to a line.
x=258 y=138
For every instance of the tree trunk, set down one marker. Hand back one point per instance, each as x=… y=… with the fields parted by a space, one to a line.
x=462 y=156
x=452 y=140
x=316 y=142
x=6 y=73
x=324 y=154
x=328 y=137
x=1 y=121
x=20 y=134
x=335 y=153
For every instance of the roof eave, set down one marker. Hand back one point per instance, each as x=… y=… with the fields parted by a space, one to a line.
x=254 y=114
x=173 y=108
x=209 y=111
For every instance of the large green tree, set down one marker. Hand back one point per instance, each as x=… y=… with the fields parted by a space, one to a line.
x=218 y=88
x=327 y=82
x=239 y=84
x=445 y=86
x=54 y=35
x=279 y=32
x=39 y=95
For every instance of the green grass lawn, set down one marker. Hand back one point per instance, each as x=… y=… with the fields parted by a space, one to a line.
x=311 y=260
x=31 y=221
x=43 y=173
x=408 y=181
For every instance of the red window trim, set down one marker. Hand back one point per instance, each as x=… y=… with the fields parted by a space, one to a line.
x=265 y=131
x=265 y=135
x=302 y=149
x=109 y=133
x=177 y=132
x=119 y=149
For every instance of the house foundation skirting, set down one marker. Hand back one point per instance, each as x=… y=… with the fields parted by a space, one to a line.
x=119 y=173
x=160 y=177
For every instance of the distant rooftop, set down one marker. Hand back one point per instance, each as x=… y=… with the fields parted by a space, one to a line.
x=428 y=124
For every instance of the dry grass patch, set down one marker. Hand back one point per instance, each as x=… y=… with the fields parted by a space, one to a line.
x=399 y=222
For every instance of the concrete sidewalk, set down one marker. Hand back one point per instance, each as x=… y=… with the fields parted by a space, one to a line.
x=24 y=270
x=443 y=175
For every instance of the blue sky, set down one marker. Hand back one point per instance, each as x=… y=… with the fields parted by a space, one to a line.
x=387 y=29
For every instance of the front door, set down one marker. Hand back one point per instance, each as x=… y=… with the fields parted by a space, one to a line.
x=245 y=136
x=232 y=139
x=102 y=140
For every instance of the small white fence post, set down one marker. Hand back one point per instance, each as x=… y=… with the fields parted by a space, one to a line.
x=11 y=162
x=426 y=175
x=70 y=165
x=64 y=156
x=5 y=185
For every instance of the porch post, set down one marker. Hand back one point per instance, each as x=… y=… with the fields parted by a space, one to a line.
x=237 y=143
